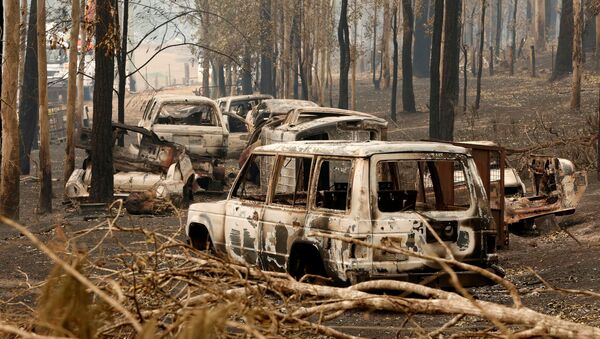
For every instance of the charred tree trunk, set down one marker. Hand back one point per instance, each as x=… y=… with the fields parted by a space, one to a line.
x=121 y=66
x=540 y=25
x=374 y=50
x=434 y=79
x=422 y=40
x=266 y=57
x=395 y=62
x=28 y=107
x=9 y=186
x=81 y=66
x=564 y=51
x=222 y=87
x=450 y=69
x=577 y=50
x=408 y=94
x=550 y=19
x=45 y=202
x=246 y=74
x=385 y=43
x=498 y=28
x=513 y=42
x=72 y=89
x=480 y=61
x=344 y=41
x=102 y=136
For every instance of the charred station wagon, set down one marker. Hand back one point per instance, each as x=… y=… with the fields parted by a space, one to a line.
x=377 y=192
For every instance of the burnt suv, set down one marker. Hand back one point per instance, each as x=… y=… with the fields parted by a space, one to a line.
x=382 y=193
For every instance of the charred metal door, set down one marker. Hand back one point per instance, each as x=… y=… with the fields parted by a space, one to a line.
x=285 y=212
x=242 y=231
x=490 y=161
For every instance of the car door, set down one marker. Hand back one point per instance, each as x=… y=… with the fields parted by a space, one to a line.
x=285 y=211
x=244 y=212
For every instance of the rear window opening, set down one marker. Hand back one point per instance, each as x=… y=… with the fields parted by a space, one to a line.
x=422 y=185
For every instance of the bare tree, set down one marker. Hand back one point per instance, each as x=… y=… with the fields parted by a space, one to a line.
x=9 y=186
x=266 y=56
x=449 y=89
x=395 y=62
x=28 y=105
x=498 y=28
x=344 y=42
x=121 y=66
x=385 y=43
x=564 y=51
x=540 y=24
x=45 y=202
x=408 y=94
x=480 y=62
x=422 y=39
x=72 y=91
x=102 y=136
x=513 y=46
x=577 y=49
x=434 y=79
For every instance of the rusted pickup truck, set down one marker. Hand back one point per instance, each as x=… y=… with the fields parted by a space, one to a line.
x=383 y=193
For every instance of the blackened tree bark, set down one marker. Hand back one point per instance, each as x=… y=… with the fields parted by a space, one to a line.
x=480 y=61
x=266 y=55
x=394 y=62
x=102 y=136
x=498 y=27
x=295 y=36
x=344 y=42
x=28 y=107
x=434 y=79
x=246 y=74
x=513 y=46
x=374 y=49
x=45 y=197
x=422 y=40
x=222 y=88
x=408 y=94
x=72 y=92
x=450 y=64
x=564 y=51
x=121 y=63
x=577 y=51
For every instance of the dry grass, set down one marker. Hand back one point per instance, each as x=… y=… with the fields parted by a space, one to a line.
x=160 y=287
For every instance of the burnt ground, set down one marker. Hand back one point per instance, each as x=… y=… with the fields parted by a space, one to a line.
x=517 y=112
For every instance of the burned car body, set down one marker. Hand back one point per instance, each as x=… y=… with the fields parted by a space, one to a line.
x=192 y=121
x=382 y=193
x=271 y=108
x=318 y=123
x=235 y=109
x=556 y=189
x=154 y=164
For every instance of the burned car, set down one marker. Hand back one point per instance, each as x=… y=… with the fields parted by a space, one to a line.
x=235 y=109
x=192 y=121
x=154 y=164
x=556 y=189
x=393 y=194
x=271 y=108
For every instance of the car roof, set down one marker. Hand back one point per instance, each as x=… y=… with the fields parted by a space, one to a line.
x=245 y=97
x=282 y=106
x=161 y=98
x=322 y=112
x=360 y=149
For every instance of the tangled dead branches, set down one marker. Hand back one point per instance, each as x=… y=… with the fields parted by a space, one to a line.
x=158 y=286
